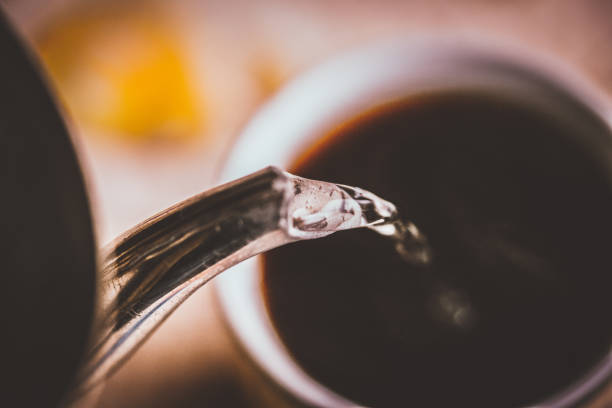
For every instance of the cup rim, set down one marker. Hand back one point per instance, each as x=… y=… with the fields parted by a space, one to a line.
x=338 y=90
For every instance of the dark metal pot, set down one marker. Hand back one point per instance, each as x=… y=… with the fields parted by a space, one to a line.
x=47 y=243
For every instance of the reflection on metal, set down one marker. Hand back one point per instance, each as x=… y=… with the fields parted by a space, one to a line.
x=153 y=268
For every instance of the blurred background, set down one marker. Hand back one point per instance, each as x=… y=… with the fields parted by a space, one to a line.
x=156 y=91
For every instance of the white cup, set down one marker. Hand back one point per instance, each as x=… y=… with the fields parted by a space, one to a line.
x=338 y=90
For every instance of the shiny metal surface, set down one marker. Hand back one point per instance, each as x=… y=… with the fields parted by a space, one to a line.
x=152 y=269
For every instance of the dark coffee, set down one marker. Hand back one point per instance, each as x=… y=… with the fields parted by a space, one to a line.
x=516 y=304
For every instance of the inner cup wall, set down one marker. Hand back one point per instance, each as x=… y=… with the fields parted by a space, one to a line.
x=515 y=202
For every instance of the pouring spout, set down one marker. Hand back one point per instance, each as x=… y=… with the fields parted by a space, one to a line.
x=150 y=270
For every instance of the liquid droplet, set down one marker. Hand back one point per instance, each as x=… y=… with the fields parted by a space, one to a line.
x=410 y=243
x=316 y=209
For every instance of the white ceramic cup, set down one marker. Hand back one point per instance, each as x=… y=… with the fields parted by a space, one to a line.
x=338 y=90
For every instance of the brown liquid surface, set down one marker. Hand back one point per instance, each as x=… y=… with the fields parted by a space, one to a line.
x=515 y=305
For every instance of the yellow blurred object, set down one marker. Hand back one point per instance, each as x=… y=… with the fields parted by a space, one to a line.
x=124 y=73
